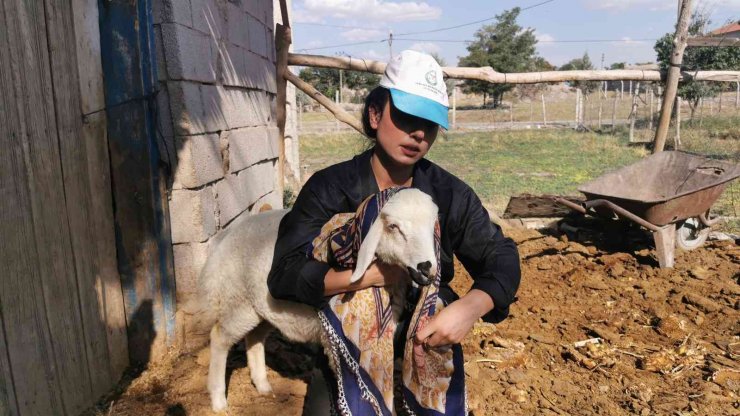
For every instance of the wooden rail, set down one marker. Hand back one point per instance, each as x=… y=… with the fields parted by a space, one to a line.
x=489 y=75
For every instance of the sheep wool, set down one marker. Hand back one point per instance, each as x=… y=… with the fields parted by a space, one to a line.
x=360 y=333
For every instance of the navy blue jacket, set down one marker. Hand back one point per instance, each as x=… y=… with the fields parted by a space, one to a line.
x=490 y=258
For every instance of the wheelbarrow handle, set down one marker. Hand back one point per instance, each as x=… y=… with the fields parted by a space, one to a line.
x=571 y=205
x=588 y=205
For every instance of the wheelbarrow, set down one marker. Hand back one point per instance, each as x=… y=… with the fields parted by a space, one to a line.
x=669 y=193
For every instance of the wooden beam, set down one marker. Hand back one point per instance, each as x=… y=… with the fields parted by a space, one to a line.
x=722 y=42
x=488 y=74
x=671 y=84
x=338 y=112
x=283 y=39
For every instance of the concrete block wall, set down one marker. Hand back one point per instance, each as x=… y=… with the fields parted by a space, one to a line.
x=217 y=127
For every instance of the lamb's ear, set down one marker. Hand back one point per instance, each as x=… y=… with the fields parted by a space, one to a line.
x=367 y=250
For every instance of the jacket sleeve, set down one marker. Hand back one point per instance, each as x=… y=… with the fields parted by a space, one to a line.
x=491 y=258
x=294 y=275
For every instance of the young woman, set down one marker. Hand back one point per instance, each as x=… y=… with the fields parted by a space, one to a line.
x=402 y=116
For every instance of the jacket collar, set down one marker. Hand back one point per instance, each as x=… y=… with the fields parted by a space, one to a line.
x=369 y=186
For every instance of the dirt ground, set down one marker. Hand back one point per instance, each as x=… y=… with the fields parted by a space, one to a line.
x=663 y=342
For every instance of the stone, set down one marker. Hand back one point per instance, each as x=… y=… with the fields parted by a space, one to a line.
x=189 y=259
x=192 y=215
x=209 y=18
x=237 y=192
x=237 y=25
x=198 y=161
x=257 y=37
x=189 y=54
x=172 y=11
x=251 y=145
x=195 y=108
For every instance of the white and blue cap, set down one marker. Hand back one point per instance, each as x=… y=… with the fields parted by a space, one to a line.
x=417 y=87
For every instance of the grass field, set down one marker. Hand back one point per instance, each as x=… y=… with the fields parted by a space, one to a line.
x=504 y=163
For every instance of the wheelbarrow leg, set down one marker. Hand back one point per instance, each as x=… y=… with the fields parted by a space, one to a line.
x=665 y=243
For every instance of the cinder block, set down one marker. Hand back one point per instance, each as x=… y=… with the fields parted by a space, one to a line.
x=198 y=161
x=159 y=46
x=270 y=34
x=237 y=192
x=257 y=8
x=257 y=37
x=172 y=11
x=189 y=259
x=190 y=55
x=236 y=23
x=251 y=145
x=273 y=200
x=233 y=69
x=213 y=104
x=268 y=74
x=241 y=108
x=209 y=17
x=195 y=109
x=165 y=134
x=192 y=215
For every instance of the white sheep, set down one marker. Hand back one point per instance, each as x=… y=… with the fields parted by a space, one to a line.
x=233 y=283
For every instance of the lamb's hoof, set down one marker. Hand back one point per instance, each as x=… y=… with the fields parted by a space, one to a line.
x=263 y=387
x=218 y=402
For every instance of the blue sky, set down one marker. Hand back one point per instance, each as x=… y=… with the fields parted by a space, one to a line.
x=628 y=27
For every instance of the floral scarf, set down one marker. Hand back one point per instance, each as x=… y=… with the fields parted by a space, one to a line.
x=360 y=331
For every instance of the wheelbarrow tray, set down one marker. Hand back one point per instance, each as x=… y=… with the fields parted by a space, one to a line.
x=664 y=188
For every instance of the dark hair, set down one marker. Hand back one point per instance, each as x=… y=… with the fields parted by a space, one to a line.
x=376 y=99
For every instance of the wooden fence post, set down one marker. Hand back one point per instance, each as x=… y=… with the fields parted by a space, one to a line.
x=633 y=112
x=614 y=112
x=601 y=105
x=454 y=106
x=677 y=141
x=737 y=95
x=578 y=107
x=511 y=114
x=719 y=110
x=650 y=126
x=544 y=110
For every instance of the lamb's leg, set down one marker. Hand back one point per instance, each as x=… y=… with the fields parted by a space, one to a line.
x=256 y=357
x=223 y=335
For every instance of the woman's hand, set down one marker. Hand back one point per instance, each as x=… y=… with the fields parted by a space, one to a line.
x=452 y=323
x=380 y=274
x=377 y=275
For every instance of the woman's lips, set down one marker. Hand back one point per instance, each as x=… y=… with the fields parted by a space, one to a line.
x=410 y=151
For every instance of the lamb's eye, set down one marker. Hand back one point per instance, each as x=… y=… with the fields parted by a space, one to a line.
x=393 y=227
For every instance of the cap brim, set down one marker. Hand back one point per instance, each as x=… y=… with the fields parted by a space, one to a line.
x=420 y=107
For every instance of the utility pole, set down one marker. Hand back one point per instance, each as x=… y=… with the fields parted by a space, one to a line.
x=390 y=43
x=671 y=84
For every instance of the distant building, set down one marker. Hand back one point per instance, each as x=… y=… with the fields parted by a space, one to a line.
x=729 y=31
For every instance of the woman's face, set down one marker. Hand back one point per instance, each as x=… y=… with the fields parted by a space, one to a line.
x=404 y=138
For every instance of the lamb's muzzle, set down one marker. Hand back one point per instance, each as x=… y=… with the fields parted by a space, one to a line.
x=420 y=275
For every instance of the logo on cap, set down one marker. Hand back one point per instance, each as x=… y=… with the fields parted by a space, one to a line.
x=431 y=77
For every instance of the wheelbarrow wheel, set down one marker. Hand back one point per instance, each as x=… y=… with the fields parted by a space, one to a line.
x=691 y=234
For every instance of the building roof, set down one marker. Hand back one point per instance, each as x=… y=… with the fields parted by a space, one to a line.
x=731 y=28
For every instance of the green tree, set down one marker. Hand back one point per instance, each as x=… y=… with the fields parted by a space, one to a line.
x=698 y=58
x=582 y=63
x=326 y=80
x=504 y=46
x=532 y=91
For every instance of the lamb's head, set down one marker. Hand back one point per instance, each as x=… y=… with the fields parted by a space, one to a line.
x=403 y=235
